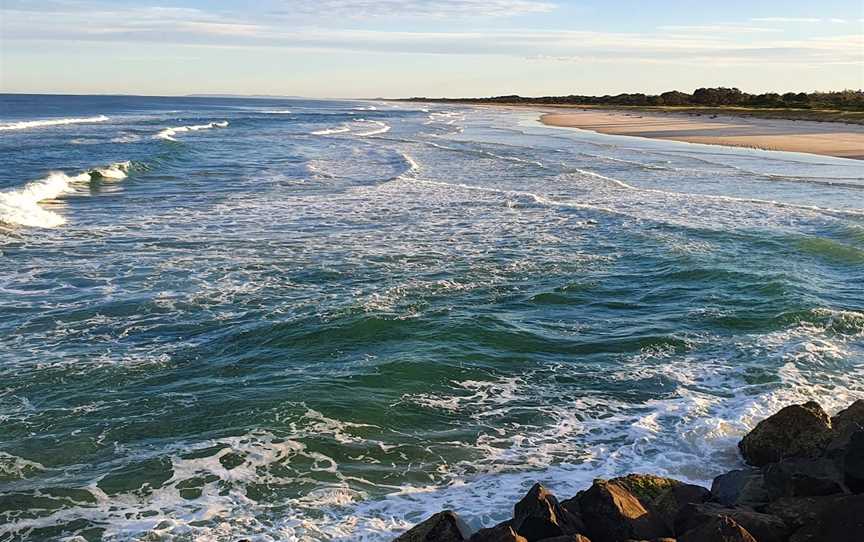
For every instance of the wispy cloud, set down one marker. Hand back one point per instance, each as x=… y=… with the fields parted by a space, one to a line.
x=786 y=19
x=440 y=9
x=736 y=28
x=728 y=43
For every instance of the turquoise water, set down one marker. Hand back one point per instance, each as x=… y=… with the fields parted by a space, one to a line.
x=310 y=320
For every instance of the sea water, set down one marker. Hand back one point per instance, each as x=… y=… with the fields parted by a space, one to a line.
x=326 y=320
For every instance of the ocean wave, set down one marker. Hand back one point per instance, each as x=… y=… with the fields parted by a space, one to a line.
x=126 y=138
x=20 y=207
x=331 y=131
x=277 y=112
x=26 y=124
x=169 y=133
x=382 y=127
x=718 y=197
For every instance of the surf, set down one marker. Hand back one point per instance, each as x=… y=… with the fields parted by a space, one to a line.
x=21 y=206
x=168 y=133
x=27 y=124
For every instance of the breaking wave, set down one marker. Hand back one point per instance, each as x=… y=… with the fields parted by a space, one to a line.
x=330 y=131
x=26 y=124
x=169 y=133
x=378 y=128
x=20 y=206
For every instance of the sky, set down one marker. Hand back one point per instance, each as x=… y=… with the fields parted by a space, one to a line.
x=397 y=48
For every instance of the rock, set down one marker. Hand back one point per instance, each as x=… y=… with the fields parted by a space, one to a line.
x=572 y=506
x=538 y=515
x=718 y=529
x=646 y=487
x=799 y=511
x=444 y=526
x=611 y=514
x=667 y=505
x=803 y=478
x=843 y=521
x=740 y=487
x=502 y=532
x=763 y=527
x=850 y=419
x=794 y=431
x=567 y=538
x=853 y=463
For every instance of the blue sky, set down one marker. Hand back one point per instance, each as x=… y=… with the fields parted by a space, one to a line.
x=368 y=48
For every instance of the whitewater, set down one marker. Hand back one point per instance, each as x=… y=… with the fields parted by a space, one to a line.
x=327 y=320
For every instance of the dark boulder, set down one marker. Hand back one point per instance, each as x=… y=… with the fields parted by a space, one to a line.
x=853 y=463
x=740 y=487
x=803 y=478
x=444 y=526
x=843 y=521
x=568 y=538
x=850 y=419
x=502 y=532
x=797 y=512
x=763 y=527
x=668 y=503
x=794 y=431
x=539 y=515
x=612 y=514
x=718 y=529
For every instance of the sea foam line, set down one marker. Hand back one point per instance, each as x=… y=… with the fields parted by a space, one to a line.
x=383 y=127
x=21 y=207
x=330 y=131
x=169 y=133
x=719 y=197
x=25 y=124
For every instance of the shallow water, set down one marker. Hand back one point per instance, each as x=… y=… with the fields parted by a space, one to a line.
x=308 y=320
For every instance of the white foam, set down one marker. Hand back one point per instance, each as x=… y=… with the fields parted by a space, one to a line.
x=277 y=112
x=717 y=197
x=382 y=127
x=21 y=206
x=26 y=124
x=331 y=131
x=169 y=133
x=126 y=138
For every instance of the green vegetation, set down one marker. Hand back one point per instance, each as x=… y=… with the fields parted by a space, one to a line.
x=836 y=106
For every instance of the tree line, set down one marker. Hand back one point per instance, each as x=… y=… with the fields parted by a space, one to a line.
x=701 y=97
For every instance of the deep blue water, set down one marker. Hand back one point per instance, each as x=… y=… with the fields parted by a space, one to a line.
x=320 y=320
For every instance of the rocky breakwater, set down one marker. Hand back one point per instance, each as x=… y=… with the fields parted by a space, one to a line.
x=804 y=483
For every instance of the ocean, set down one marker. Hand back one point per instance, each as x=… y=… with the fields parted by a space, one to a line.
x=326 y=320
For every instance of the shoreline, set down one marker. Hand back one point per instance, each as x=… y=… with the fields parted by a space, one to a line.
x=820 y=138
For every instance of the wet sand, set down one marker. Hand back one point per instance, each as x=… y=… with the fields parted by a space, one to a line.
x=826 y=138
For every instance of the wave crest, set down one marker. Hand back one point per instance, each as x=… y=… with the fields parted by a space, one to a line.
x=25 y=124
x=20 y=207
x=169 y=133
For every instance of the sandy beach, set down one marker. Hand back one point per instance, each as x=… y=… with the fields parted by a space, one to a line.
x=825 y=138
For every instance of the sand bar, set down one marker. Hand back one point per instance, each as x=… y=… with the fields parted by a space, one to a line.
x=826 y=138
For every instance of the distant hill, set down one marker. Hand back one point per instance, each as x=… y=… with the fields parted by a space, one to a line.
x=249 y=96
